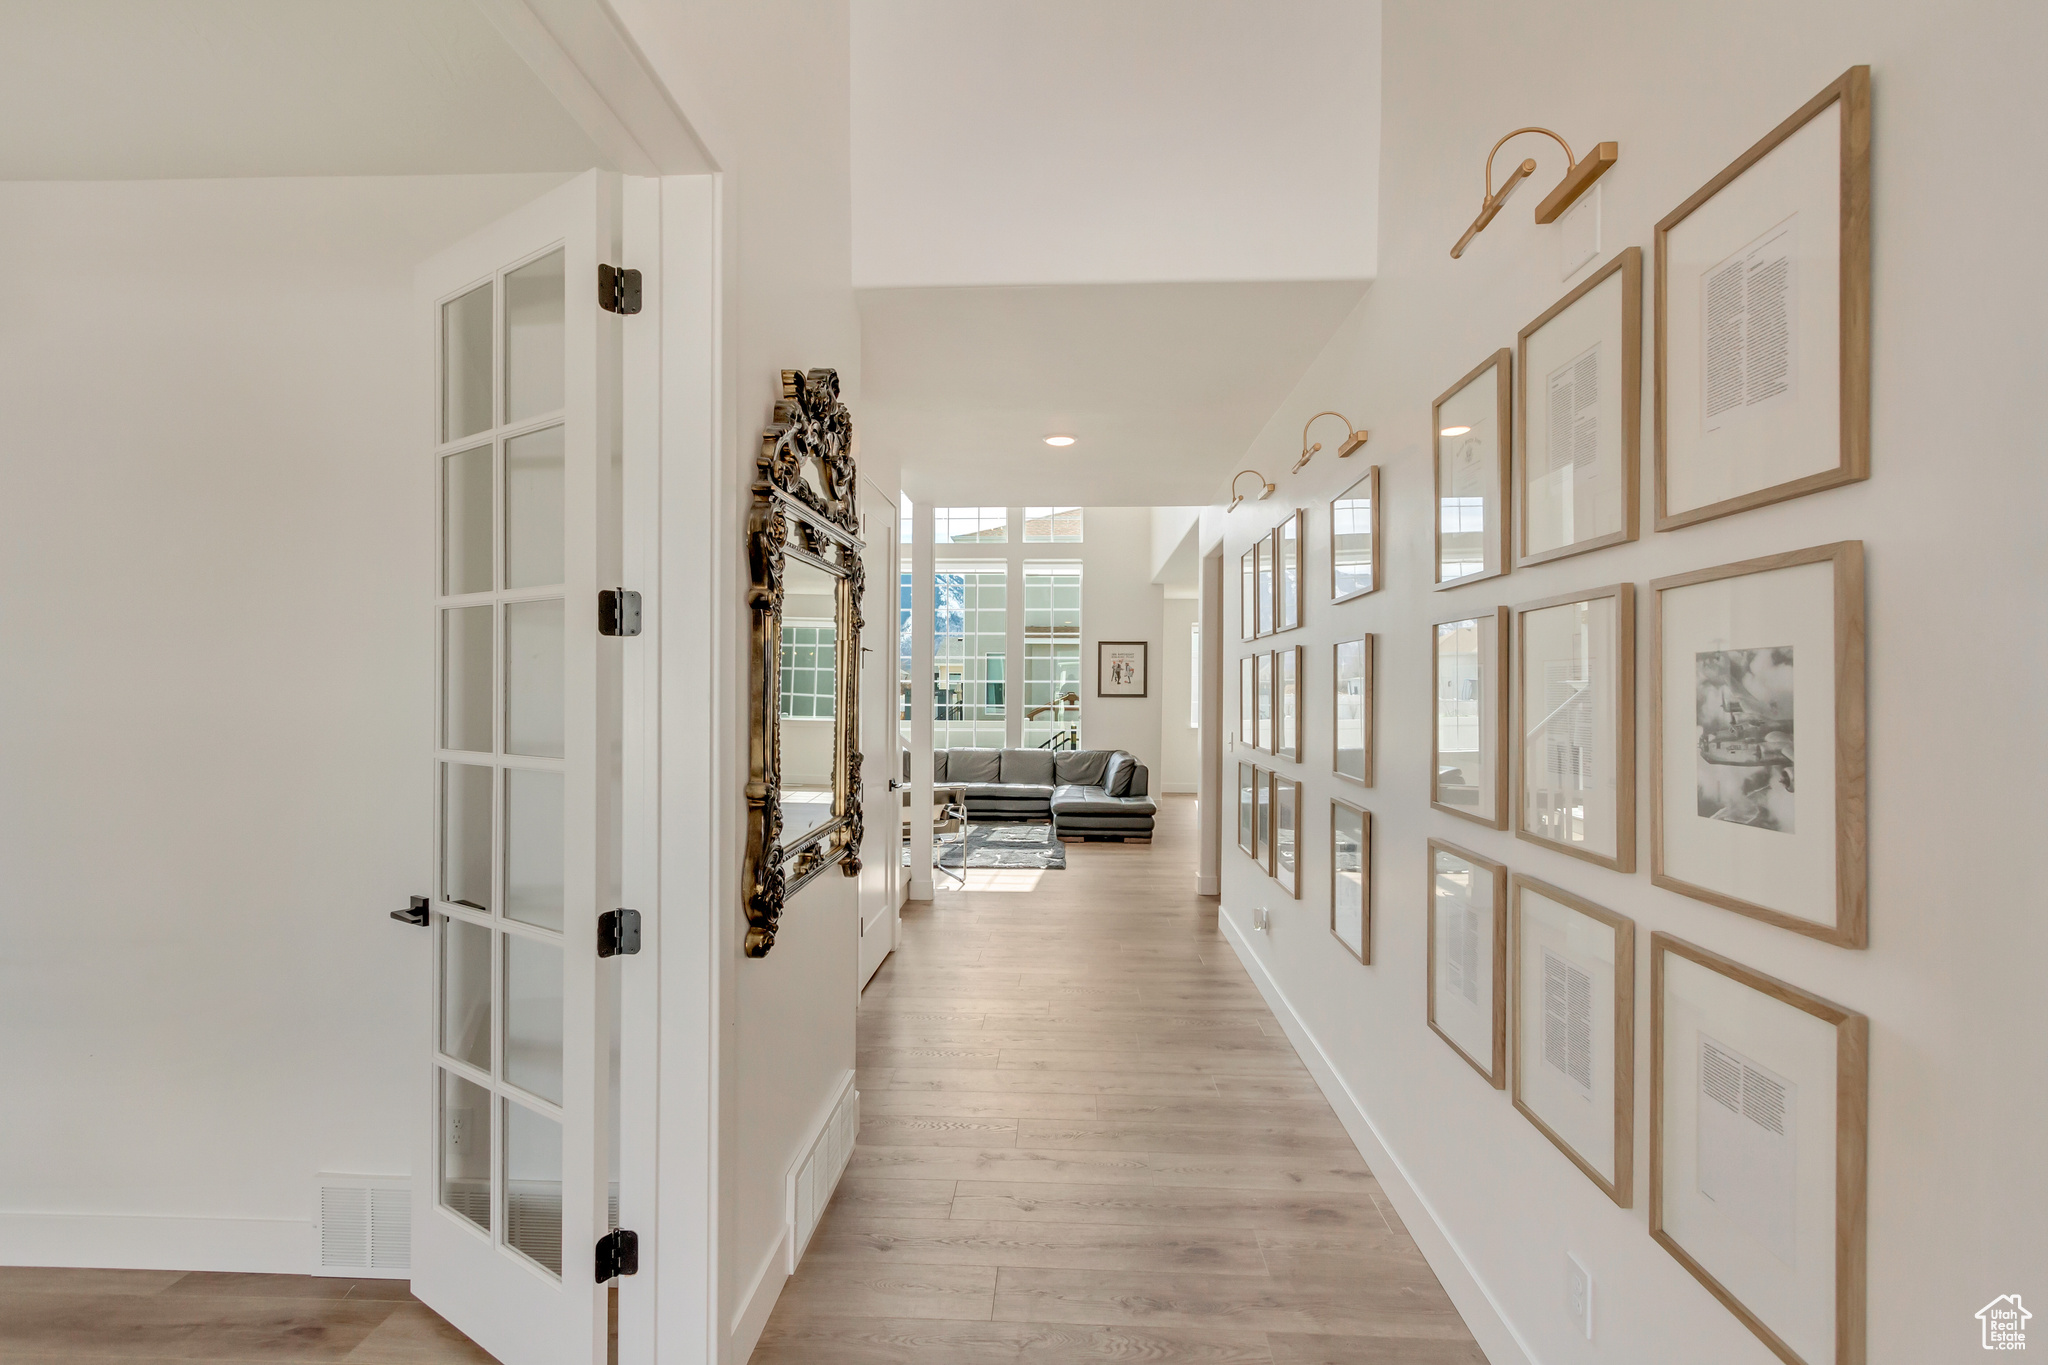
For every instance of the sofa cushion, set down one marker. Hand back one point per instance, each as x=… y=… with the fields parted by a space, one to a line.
x=1040 y=792
x=974 y=765
x=1028 y=765
x=1080 y=767
x=1116 y=779
x=938 y=766
x=1093 y=801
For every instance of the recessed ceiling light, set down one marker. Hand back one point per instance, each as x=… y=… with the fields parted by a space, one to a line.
x=1455 y=431
x=1059 y=440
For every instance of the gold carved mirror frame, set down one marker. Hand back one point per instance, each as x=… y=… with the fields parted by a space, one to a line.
x=804 y=510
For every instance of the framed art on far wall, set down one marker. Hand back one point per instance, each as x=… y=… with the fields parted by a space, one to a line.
x=1763 y=319
x=1355 y=538
x=1247 y=809
x=1265 y=736
x=1122 y=668
x=1352 y=707
x=1473 y=422
x=1468 y=762
x=1262 y=557
x=1287 y=575
x=1468 y=957
x=1759 y=1138
x=1262 y=819
x=1575 y=722
x=1248 y=701
x=1743 y=658
x=1285 y=867
x=1351 y=878
x=1248 y=595
x=1577 y=447
x=1287 y=703
x=1572 y=1016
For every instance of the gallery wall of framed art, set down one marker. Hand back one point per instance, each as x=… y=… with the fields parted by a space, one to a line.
x=1704 y=533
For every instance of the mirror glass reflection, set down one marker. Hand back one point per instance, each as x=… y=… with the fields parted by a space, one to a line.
x=808 y=722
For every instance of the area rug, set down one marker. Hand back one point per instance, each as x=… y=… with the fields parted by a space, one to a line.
x=1007 y=846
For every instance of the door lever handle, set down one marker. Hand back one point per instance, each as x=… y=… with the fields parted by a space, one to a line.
x=415 y=913
x=896 y=785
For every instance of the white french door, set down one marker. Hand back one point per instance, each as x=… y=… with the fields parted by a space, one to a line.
x=881 y=851
x=511 y=1193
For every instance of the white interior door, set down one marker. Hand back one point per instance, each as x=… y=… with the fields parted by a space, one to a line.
x=881 y=856
x=511 y=1192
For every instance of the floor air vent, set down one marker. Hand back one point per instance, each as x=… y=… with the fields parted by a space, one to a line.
x=365 y=1227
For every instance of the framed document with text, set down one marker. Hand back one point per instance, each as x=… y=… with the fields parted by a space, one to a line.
x=1468 y=957
x=1763 y=319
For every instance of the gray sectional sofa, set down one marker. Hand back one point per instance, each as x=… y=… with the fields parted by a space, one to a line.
x=1086 y=793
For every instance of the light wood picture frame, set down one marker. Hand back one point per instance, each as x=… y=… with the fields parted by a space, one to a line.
x=1572 y=1017
x=1247 y=809
x=1288 y=665
x=1469 y=700
x=1248 y=595
x=1262 y=558
x=1262 y=819
x=1759 y=1143
x=1472 y=433
x=1248 y=700
x=1355 y=540
x=1467 y=933
x=1732 y=822
x=1265 y=715
x=1351 y=708
x=1583 y=424
x=1123 y=668
x=1351 y=878
x=1783 y=232
x=1289 y=543
x=1575 y=694
x=1285 y=865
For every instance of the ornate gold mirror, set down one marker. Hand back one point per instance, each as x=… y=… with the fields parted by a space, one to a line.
x=803 y=546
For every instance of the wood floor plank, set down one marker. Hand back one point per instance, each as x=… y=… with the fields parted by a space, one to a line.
x=1122 y=1135
x=1101 y=1079
x=891 y=1291
x=188 y=1326
x=862 y=1340
x=939 y=1241
x=1024 y=1294
x=1301 y=1348
x=1154 y=1206
x=938 y=1130
x=973 y=1104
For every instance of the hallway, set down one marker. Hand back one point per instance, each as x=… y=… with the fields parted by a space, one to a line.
x=1085 y=1138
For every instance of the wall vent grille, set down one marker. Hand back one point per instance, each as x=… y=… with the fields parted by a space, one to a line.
x=816 y=1173
x=364 y=1226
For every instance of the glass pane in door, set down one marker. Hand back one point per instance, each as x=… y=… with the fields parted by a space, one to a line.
x=533 y=338
x=533 y=1185
x=465 y=1148
x=466 y=658
x=466 y=835
x=466 y=992
x=533 y=847
x=533 y=1016
x=533 y=509
x=466 y=521
x=533 y=678
x=466 y=364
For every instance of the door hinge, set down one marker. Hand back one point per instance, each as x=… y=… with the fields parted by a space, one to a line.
x=618 y=612
x=618 y=1253
x=618 y=291
x=415 y=913
x=618 y=933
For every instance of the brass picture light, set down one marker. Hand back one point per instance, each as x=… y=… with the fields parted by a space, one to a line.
x=1578 y=178
x=1265 y=489
x=1353 y=439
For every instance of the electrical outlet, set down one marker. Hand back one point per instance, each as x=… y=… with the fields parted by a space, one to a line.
x=1578 y=1294
x=1262 y=919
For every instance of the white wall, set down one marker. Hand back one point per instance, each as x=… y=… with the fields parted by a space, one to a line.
x=1069 y=142
x=215 y=534
x=1950 y=521
x=1179 y=741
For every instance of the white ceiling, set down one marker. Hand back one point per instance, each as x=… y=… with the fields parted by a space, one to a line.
x=1162 y=385
x=147 y=89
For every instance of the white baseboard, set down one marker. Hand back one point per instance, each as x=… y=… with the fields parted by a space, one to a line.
x=1490 y=1327
x=1208 y=886
x=759 y=1301
x=920 y=888
x=146 y=1241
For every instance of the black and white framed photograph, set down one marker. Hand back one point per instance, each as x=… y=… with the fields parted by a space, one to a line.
x=1572 y=994
x=1287 y=665
x=1122 y=668
x=1286 y=864
x=1763 y=319
x=1757 y=749
x=1759 y=1145
x=1473 y=422
x=1351 y=878
x=1575 y=690
x=1355 y=538
x=1352 y=708
x=1577 y=447
x=1468 y=767
x=1468 y=957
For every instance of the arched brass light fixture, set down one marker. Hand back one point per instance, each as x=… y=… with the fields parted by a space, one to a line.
x=1577 y=180
x=1353 y=439
x=1265 y=489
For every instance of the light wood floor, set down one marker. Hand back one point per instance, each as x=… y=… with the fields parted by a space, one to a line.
x=1084 y=1138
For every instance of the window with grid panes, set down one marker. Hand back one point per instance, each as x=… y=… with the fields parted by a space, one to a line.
x=807 y=679
x=970 y=525
x=970 y=638
x=903 y=673
x=1053 y=524
x=1052 y=656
